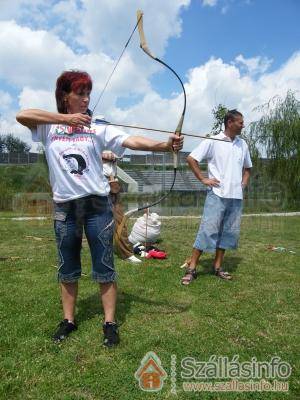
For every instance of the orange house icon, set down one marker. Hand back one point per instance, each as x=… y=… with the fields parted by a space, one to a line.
x=151 y=374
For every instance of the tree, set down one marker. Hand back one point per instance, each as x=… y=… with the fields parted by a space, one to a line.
x=276 y=136
x=12 y=144
x=219 y=113
x=2 y=144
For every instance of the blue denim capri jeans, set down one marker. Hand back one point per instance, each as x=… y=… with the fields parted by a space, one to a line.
x=220 y=224
x=93 y=214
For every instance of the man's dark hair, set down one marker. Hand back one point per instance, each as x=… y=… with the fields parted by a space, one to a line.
x=231 y=115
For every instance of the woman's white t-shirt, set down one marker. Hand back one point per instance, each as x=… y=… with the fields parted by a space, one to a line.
x=74 y=158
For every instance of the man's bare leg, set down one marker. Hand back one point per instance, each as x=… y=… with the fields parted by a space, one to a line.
x=190 y=273
x=195 y=258
x=219 y=257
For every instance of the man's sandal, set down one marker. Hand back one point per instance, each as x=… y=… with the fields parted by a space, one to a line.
x=189 y=276
x=222 y=274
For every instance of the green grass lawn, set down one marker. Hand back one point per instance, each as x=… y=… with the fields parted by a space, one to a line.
x=255 y=315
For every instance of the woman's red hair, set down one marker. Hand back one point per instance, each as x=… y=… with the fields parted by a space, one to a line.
x=70 y=81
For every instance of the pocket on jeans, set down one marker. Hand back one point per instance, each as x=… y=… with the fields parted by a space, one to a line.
x=60 y=228
x=60 y=216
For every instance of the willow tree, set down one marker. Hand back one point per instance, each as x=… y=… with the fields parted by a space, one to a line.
x=218 y=113
x=276 y=138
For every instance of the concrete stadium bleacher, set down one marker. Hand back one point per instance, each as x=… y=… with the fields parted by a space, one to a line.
x=154 y=181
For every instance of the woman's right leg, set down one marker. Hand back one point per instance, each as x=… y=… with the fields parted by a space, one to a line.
x=68 y=237
x=69 y=291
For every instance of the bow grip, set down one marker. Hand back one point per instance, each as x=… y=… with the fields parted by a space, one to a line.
x=178 y=133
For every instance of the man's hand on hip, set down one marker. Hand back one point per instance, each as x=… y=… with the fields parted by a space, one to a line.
x=213 y=182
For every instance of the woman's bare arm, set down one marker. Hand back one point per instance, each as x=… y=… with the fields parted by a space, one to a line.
x=174 y=143
x=33 y=117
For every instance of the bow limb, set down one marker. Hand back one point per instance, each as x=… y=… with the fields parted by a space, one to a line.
x=145 y=48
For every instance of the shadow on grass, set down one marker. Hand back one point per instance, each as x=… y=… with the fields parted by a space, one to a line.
x=89 y=307
x=230 y=264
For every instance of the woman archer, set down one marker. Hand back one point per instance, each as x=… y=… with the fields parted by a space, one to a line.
x=73 y=145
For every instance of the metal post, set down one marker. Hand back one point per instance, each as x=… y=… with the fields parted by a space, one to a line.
x=164 y=172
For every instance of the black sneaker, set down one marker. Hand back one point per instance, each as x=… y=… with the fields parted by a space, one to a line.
x=63 y=330
x=111 y=334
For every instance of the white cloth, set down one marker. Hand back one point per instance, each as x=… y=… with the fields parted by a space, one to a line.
x=109 y=168
x=74 y=157
x=146 y=229
x=226 y=161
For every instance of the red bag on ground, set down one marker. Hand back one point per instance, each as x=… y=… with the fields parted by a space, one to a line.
x=156 y=254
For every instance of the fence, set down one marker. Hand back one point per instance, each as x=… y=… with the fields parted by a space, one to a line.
x=150 y=159
x=18 y=158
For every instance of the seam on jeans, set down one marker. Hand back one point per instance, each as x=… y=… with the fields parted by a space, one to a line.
x=105 y=238
x=61 y=232
x=110 y=203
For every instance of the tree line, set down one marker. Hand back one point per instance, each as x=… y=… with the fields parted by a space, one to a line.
x=274 y=142
x=12 y=144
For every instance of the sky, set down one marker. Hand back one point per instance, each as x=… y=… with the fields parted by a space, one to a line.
x=240 y=53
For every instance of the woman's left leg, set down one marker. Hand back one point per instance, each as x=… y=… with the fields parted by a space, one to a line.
x=99 y=230
x=108 y=294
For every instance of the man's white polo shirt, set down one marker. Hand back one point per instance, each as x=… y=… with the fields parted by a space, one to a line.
x=226 y=161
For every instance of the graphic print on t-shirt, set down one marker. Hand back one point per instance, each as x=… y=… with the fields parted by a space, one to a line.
x=74 y=160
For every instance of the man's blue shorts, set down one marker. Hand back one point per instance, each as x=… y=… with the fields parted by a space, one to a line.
x=93 y=214
x=220 y=224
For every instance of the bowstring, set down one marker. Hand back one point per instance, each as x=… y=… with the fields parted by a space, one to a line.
x=91 y=112
x=115 y=67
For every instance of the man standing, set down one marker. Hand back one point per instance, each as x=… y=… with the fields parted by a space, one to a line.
x=229 y=165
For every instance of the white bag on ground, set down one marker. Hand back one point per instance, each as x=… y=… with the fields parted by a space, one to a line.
x=146 y=229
